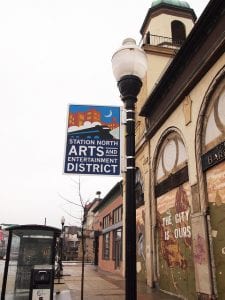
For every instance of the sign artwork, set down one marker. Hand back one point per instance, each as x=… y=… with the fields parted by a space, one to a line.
x=93 y=140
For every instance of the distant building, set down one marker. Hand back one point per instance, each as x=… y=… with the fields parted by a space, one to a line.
x=3 y=242
x=108 y=229
x=70 y=243
x=88 y=231
x=4 y=238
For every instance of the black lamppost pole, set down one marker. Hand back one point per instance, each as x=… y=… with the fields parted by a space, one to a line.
x=129 y=65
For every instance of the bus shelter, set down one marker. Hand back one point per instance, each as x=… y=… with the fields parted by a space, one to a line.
x=30 y=260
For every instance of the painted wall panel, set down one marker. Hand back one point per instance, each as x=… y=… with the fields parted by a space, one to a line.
x=140 y=237
x=175 y=256
x=216 y=197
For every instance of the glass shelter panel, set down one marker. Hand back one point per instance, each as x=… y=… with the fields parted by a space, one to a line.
x=28 y=249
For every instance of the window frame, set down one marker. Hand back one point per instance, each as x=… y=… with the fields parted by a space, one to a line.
x=106 y=246
x=106 y=221
x=114 y=243
x=117 y=214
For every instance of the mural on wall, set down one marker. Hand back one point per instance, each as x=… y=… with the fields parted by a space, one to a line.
x=216 y=197
x=176 y=270
x=140 y=238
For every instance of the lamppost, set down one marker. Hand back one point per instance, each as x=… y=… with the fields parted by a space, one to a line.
x=129 y=64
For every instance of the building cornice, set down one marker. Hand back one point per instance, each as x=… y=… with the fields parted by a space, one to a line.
x=112 y=194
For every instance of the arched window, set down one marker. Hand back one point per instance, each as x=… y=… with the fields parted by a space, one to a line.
x=215 y=121
x=172 y=164
x=178 y=32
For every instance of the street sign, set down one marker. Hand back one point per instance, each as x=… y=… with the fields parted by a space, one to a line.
x=93 y=140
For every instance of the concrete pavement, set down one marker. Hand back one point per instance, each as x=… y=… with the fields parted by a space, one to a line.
x=98 y=285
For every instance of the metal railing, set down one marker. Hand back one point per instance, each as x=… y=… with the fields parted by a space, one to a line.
x=161 y=41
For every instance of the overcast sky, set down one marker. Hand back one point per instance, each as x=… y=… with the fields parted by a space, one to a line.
x=54 y=53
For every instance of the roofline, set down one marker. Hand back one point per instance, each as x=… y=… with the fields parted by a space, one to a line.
x=33 y=227
x=116 y=188
x=92 y=203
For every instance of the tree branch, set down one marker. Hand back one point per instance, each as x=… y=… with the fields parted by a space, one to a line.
x=69 y=201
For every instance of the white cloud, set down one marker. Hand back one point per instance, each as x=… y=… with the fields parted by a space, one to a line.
x=86 y=125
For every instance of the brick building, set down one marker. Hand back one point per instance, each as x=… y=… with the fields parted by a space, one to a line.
x=109 y=228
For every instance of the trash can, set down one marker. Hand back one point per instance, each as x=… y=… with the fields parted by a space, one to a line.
x=42 y=278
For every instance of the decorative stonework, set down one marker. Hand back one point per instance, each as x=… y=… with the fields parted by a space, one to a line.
x=196 y=206
x=145 y=162
x=187 y=110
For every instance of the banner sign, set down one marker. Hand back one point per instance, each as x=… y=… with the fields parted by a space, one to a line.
x=93 y=140
x=213 y=156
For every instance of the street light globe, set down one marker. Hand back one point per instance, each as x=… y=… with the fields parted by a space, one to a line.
x=129 y=59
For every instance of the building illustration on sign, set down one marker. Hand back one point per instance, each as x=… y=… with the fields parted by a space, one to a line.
x=93 y=140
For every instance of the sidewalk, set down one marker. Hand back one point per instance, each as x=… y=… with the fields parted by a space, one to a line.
x=98 y=285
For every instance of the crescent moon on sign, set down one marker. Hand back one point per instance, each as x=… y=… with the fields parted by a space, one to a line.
x=109 y=114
